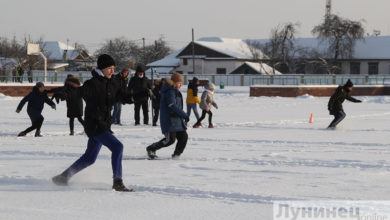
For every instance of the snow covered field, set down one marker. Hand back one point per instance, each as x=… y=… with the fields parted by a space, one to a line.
x=261 y=150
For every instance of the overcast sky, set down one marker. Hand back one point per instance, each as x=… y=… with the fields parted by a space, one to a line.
x=90 y=22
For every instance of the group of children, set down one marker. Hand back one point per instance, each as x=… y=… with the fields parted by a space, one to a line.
x=100 y=93
x=103 y=90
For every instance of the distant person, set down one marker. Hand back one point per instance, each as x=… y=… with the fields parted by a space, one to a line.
x=30 y=75
x=36 y=100
x=140 y=86
x=173 y=119
x=156 y=100
x=335 y=105
x=20 y=74
x=206 y=103
x=123 y=80
x=99 y=94
x=192 y=98
x=74 y=103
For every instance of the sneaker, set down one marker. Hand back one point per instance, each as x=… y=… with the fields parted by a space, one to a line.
x=211 y=125
x=60 y=180
x=151 y=154
x=21 y=134
x=197 y=125
x=120 y=187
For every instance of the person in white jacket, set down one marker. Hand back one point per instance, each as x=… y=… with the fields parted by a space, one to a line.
x=206 y=103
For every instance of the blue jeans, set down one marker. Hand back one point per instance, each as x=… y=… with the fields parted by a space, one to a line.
x=338 y=117
x=194 y=108
x=89 y=157
x=116 y=114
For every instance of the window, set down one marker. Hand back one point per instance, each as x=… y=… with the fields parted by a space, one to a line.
x=190 y=72
x=185 y=61
x=373 y=68
x=354 y=68
x=221 y=70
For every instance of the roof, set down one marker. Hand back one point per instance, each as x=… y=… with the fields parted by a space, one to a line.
x=260 y=68
x=169 y=61
x=55 y=50
x=236 y=48
x=370 y=48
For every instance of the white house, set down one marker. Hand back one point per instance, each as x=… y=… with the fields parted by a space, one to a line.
x=65 y=56
x=212 y=56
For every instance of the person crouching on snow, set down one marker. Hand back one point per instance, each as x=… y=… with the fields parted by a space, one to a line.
x=335 y=105
x=206 y=103
x=99 y=93
x=173 y=120
x=36 y=100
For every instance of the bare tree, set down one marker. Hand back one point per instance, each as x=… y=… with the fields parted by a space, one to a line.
x=341 y=34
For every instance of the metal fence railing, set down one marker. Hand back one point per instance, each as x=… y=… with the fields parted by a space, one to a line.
x=219 y=79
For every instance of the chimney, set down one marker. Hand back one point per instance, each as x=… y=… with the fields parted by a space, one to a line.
x=65 y=56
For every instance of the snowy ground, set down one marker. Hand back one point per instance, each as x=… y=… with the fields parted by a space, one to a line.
x=261 y=150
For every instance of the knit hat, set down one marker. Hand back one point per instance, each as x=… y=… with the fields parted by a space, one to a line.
x=209 y=86
x=140 y=68
x=39 y=84
x=348 y=84
x=105 y=61
x=176 y=77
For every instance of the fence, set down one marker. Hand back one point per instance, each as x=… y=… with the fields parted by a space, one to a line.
x=223 y=79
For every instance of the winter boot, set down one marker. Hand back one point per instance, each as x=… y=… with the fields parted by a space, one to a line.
x=211 y=125
x=151 y=153
x=21 y=134
x=197 y=125
x=71 y=133
x=60 y=180
x=120 y=187
x=154 y=124
x=38 y=133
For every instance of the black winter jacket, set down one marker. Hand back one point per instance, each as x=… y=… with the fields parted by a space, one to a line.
x=99 y=94
x=35 y=104
x=140 y=88
x=336 y=101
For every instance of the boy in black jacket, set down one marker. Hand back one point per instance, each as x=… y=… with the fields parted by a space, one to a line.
x=36 y=100
x=99 y=93
x=335 y=105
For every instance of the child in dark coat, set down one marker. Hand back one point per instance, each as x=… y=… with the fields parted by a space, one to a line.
x=36 y=100
x=99 y=93
x=173 y=119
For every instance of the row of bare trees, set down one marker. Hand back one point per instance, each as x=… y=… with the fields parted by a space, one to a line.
x=337 y=35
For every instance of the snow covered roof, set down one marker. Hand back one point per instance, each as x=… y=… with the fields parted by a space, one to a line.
x=261 y=68
x=236 y=48
x=55 y=50
x=369 y=48
x=169 y=61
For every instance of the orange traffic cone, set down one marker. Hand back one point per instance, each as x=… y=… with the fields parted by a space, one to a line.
x=311 y=119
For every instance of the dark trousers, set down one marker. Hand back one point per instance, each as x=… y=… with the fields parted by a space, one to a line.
x=338 y=117
x=37 y=124
x=204 y=112
x=145 y=110
x=156 y=113
x=169 y=139
x=71 y=122
x=89 y=157
x=116 y=113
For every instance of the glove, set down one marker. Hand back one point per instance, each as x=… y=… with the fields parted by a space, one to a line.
x=17 y=110
x=53 y=107
x=187 y=119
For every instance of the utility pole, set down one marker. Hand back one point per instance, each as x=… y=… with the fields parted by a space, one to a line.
x=193 y=52
x=328 y=8
x=143 y=49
